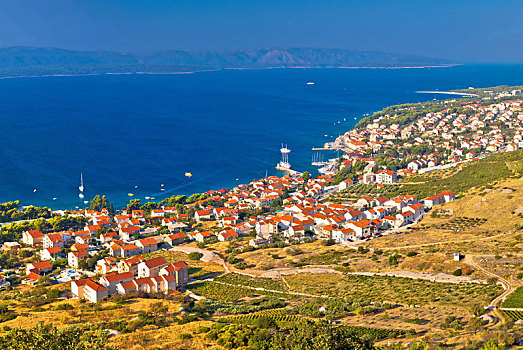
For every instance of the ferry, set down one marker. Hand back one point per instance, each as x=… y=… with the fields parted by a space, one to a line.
x=310 y=83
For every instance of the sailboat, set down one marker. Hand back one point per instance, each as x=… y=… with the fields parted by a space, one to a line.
x=81 y=187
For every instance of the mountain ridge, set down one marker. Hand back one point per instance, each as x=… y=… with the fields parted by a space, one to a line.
x=20 y=60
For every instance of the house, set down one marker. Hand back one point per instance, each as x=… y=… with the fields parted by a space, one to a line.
x=110 y=281
x=440 y=198
x=201 y=215
x=386 y=177
x=342 y=234
x=51 y=253
x=202 y=236
x=94 y=292
x=345 y=184
x=417 y=209
x=107 y=265
x=404 y=218
x=137 y=214
x=31 y=278
x=123 y=251
x=147 y=245
x=180 y=270
x=39 y=268
x=175 y=239
x=53 y=240
x=77 y=287
x=108 y=237
x=127 y=233
x=130 y=265
x=151 y=268
x=361 y=228
x=74 y=258
x=32 y=237
x=227 y=235
x=3 y=282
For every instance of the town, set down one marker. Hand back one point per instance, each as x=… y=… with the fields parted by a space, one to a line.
x=98 y=253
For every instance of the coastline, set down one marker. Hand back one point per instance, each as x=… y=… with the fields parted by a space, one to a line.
x=223 y=69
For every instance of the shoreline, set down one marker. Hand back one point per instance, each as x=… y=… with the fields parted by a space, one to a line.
x=224 y=69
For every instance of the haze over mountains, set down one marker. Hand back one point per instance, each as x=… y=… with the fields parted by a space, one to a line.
x=16 y=61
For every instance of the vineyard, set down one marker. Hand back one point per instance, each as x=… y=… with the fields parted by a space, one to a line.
x=218 y=291
x=393 y=289
x=266 y=283
x=461 y=224
x=514 y=315
x=278 y=315
x=514 y=300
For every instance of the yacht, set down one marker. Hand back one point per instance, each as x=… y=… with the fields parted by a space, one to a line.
x=81 y=187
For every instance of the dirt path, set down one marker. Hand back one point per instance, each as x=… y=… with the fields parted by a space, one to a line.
x=509 y=288
x=208 y=256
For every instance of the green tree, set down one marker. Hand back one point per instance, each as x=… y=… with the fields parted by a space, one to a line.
x=475 y=324
x=50 y=337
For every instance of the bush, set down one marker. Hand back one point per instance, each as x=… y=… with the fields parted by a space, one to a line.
x=457 y=272
x=203 y=329
x=329 y=242
x=241 y=265
x=411 y=254
x=184 y=336
x=195 y=255
x=492 y=280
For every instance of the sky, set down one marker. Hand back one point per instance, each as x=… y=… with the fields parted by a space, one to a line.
x=459 y=30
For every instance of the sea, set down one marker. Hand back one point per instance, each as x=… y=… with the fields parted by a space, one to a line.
x=140 y=134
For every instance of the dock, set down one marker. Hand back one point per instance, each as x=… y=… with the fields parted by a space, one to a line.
x=291 y=172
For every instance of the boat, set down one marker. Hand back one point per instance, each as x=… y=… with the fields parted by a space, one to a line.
x=135 y=186
x=162 y=185
x=86 y=202
x=34 y=190
x=130 y=194
x=153 y=198
x=188 y=174
x=237 y=179
x=163 y=189
x=54 y=198
x=147 y=197
x=310 y=83
x=81 y=187
x=81 y=195
x=284 y=163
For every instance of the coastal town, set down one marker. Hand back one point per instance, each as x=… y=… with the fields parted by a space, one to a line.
x=126 y=252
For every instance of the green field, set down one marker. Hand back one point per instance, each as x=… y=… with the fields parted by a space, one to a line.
x=514 y=300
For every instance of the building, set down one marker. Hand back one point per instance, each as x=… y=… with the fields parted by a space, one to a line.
x=386 y=177
x=151 y=268
x=32 y=237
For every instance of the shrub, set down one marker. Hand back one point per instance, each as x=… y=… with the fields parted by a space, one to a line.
x=492 y=280
x=203 y=329
x=457 y=272
x=184 y=336
x=195 y=255
x=411 y=254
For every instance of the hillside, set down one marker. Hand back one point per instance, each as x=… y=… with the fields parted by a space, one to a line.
x=22 y=61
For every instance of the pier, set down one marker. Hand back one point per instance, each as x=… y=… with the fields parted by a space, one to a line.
x=448 y=93
x=291 y=172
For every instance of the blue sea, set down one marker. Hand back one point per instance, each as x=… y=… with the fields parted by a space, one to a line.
x=123 y=131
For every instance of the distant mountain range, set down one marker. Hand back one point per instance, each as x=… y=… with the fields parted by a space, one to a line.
x=20 y=61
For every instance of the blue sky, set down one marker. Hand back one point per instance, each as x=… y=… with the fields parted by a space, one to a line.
x=462 y=30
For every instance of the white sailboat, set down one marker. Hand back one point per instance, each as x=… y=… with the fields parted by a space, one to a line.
x=81 y=187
